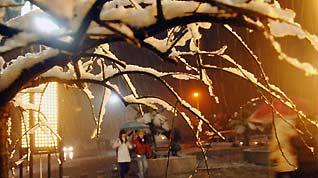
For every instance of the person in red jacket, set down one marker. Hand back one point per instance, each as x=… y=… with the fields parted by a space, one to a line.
x=143 y=151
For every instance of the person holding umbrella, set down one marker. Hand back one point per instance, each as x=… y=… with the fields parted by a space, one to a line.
x=283 y=151
x=143 y=152
x=122 y=146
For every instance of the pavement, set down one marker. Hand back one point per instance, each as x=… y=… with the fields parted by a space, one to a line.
x=224 y=161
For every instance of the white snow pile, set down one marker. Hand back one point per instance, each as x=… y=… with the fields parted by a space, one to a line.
x=158 y=120
x=73 y=11
x=141 y=17
x=13 y=71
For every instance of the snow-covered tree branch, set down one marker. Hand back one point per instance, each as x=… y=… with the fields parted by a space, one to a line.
x=77 y=51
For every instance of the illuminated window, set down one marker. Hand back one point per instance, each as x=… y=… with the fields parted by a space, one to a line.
x=43 y=135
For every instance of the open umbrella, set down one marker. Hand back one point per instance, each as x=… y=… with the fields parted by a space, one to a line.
x=263 y=113
x=133 y=125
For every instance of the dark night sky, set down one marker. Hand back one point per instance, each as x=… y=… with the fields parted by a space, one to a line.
x=233 y=91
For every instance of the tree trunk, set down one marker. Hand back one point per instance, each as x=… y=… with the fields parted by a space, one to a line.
x=4 y=148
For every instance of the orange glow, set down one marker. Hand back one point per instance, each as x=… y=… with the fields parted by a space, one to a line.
x=196 y=94
x=43 y=136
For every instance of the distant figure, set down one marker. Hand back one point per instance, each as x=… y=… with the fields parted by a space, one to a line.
x=283 y=154
x=122 y=146
x=143 y=152
x=175 y=144
x=307 y=158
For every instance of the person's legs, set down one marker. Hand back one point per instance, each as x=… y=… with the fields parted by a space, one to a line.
x=145 y=164
x=126 y=168
x=291 y=174
x=121 y=170
x=294 y=174
x=140 y=167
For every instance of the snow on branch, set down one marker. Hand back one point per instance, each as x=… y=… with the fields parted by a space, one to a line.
x=79 y=54
x=137 y=22
x=13 y=71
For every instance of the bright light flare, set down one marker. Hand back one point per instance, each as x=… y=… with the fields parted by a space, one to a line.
x=196 y=94
x=114 y=99
x=27 y=7
x=42 y=24
x=45 y=25
x=43 y=137
x=68 y=152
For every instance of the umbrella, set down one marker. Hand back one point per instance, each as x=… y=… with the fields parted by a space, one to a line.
x=133 y=125
x=263 y=113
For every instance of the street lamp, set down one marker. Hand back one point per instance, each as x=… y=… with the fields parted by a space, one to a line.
x=196 y=96
x=114 y=98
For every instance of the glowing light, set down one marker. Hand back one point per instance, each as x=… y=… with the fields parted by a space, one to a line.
x=68 y=152
x=71 y=155
x=27 y=7
x=113 y=98
x=43 y=136
x=196 y=96
x=44 y=25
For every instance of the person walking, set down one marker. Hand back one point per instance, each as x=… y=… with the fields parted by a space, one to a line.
x=122 y=146
x=283 y=153
x=143 y=151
